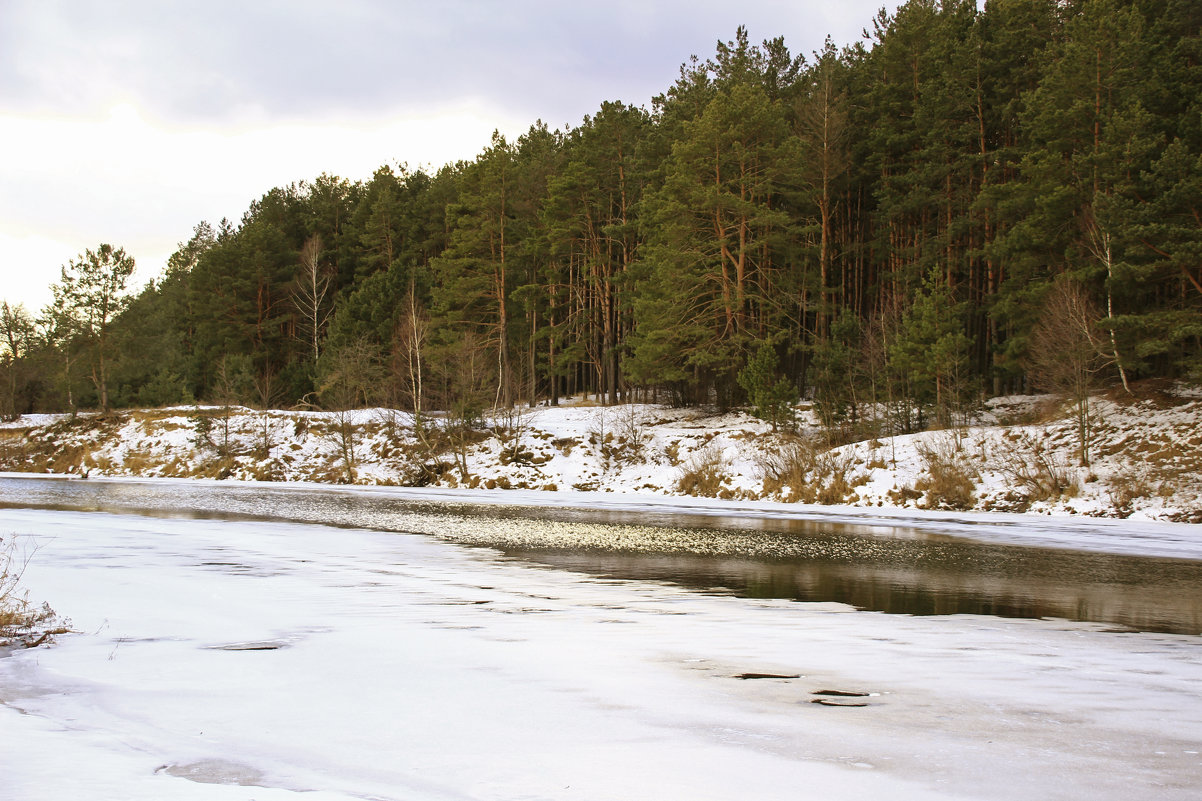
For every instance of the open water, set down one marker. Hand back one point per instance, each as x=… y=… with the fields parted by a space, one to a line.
x=902 y=570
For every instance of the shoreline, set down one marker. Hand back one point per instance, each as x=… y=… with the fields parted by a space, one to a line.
x=1154 y=539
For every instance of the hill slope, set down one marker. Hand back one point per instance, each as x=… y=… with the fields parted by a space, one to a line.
x=1021 y=454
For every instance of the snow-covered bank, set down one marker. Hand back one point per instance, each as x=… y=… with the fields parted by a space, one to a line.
x=1017 y=457
x=278 y=658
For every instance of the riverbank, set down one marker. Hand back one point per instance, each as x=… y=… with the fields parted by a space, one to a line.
x=1019 y=455
x=633 y=511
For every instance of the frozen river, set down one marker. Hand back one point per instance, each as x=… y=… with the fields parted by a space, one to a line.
x=220 y=654
x=904 y=567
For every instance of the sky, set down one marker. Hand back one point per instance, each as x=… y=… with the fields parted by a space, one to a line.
x=130 y=121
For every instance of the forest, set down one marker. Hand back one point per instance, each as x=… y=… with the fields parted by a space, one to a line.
x=966 y=203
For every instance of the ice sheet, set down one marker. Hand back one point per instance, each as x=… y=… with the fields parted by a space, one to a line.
x=236 y=660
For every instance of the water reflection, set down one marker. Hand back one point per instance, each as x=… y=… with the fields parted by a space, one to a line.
x=1151 y=595
x=899 y=571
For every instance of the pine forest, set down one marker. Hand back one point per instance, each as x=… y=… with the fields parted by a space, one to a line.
x=967 y=203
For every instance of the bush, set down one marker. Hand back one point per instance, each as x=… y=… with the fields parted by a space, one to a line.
x=21 y=622
x=1036 y=473
x=950 y=481
x=1126 y=488
x=703 y=475
x=800 y=472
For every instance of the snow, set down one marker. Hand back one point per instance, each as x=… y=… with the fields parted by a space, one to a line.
x=1020 y=455
x=263 y=660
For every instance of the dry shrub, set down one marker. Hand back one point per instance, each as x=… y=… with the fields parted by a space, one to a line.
x=510 y=425
x=786 y=467
x=419 y=460
x=516 y=454
x=1044 y=411
x=140 y=463
x=69 y=459
x=268 y=470
x=903 y=495
x=1126 y=488
x=950 y=479
x=633 y=436
x=565 y=444
x=703 y=475
x=177 y=467
x=617 y=436
x=424 y=474
x=220 y=467
x=21 y=622
x=1036 y=473
x=16 y=454
x=104 y=464
x=331 y=471
x=800 y=472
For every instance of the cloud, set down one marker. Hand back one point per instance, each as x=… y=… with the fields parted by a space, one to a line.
x=130 y=121
x=124 y=180
x=227 y=62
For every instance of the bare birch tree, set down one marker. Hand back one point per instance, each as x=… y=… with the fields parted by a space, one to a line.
x=1100 y=246
x=409 y=343
x=309 y=293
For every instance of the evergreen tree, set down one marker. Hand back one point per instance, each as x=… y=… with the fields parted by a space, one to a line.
x=475 y=271
x=17 y=338
x=772 y=395
x=712 y=273
x=928 y=360
x=591 y=223
x=90 y=295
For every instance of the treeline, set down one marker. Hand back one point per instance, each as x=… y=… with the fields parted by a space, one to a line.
x=874 y=224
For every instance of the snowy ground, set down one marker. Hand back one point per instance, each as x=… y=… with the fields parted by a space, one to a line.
x=235 y=660
x=1020 y=455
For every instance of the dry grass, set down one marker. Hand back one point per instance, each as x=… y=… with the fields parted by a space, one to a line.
x=141 y=463
x=1037 y=473
x=799 y=471
x=704 y=475
x=16 y=453
x=949 y=479
x=22 y=622
x=1126 y=488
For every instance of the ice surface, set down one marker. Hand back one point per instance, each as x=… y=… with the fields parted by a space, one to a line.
x=238 y=660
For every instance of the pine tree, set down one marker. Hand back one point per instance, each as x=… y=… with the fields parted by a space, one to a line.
x=17 y=339
x=771 y=395
x=711 y=273
x=928 y=360
x=91 y=293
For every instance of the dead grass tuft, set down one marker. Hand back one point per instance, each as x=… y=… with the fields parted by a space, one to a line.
x=703 y=475
x=1037 y=473
x=22 y=623
x=141 y=463
x=950 y=479
x=799 y=471
x=1124 y=489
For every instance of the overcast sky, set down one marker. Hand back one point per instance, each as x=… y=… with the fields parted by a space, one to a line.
x=128 y=122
